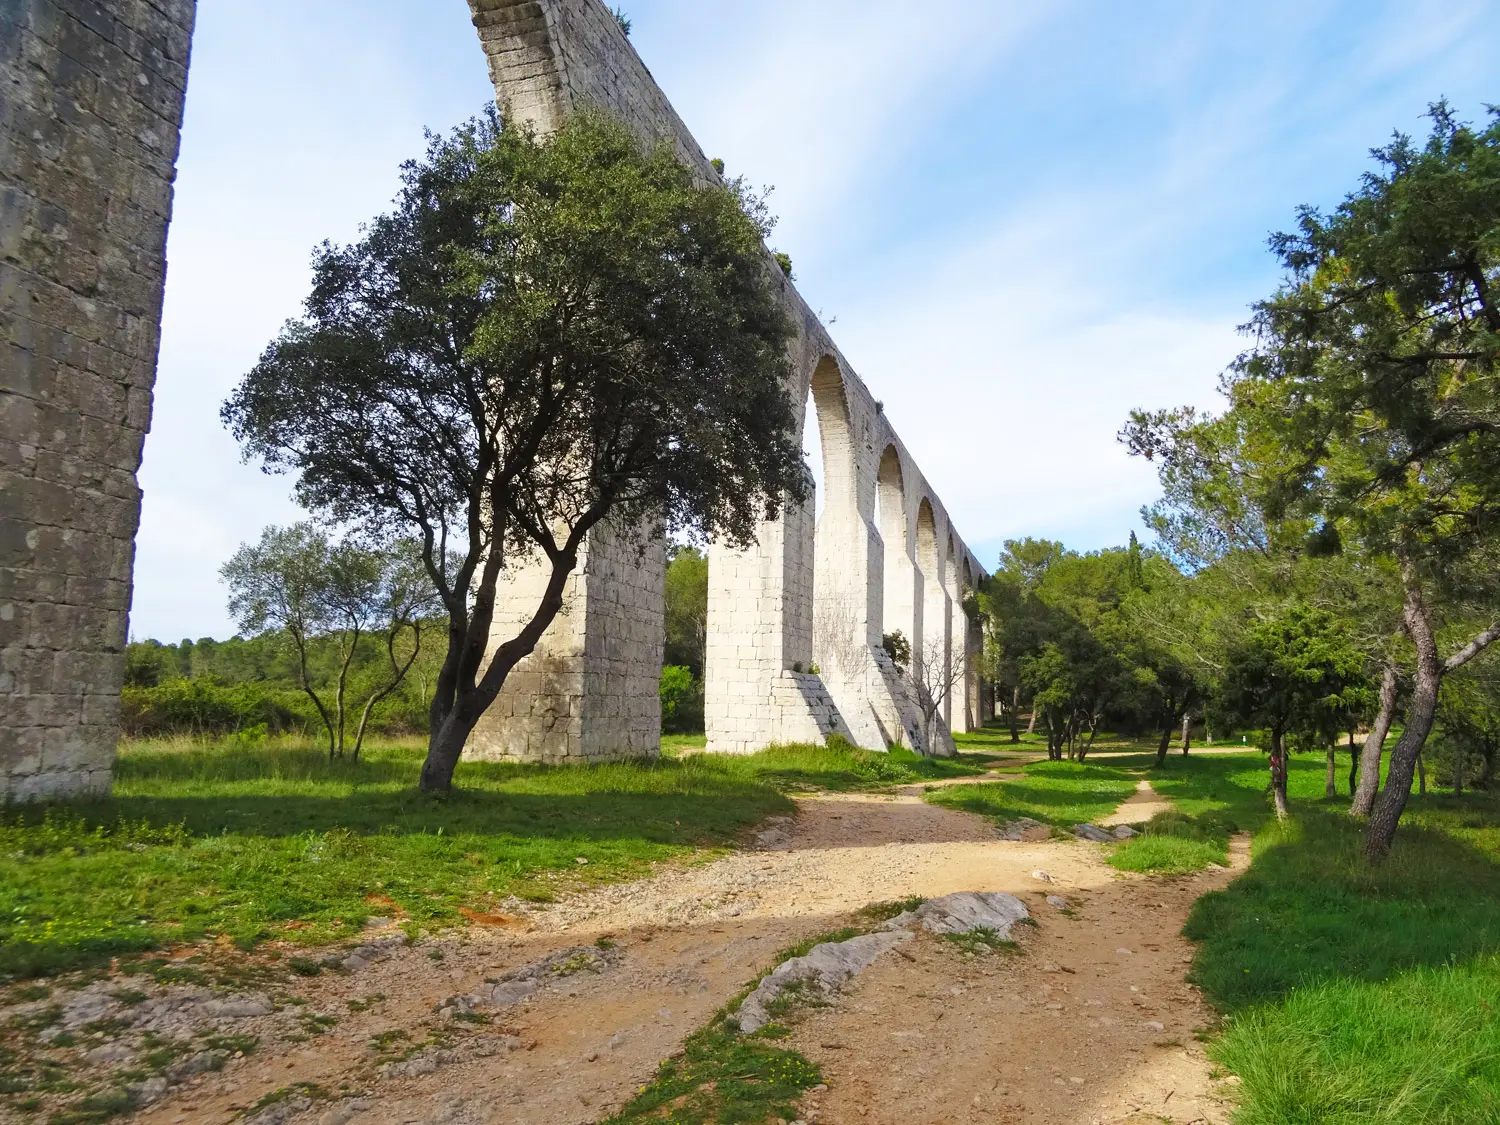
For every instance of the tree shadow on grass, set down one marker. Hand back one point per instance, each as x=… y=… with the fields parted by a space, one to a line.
x=1311 y=910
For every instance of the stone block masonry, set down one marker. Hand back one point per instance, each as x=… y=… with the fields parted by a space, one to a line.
x=91 y=97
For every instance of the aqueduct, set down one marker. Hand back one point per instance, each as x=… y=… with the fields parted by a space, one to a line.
x=89 y=125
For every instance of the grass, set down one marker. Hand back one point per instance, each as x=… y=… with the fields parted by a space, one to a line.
x=1057 y=793
x=1350 y=993
x=724 y=1077
x=252 y=843
x=1174 y=843
x=277 y=842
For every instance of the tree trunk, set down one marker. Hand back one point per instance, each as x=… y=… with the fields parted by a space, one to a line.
x=1031 y=725
x=1278 y=773
x=1353 y=763
x=1015 y=714
x=443 y=750
x=1187 y=731
x=1369 y=759
x=1330 y=779
x=453 y=723
x=1419 y=718
x=1166 y=741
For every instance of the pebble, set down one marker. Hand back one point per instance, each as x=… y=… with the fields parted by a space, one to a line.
x=1042 y=875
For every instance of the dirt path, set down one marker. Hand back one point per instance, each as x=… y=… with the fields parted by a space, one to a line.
x=1091 y=1023
x=1139 y=807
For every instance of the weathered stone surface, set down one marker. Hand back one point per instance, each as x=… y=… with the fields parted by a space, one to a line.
x=1093 y=832
x=825 y=969
x=965 y=911
x=92 y=102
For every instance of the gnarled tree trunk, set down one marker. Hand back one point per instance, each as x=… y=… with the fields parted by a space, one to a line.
x=1417 y=621
x=1369 y=759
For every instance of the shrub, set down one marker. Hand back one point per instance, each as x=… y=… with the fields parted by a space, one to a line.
x=681 y=701
x=204 y=705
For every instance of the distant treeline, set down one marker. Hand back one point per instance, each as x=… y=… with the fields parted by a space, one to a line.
x=249 y=686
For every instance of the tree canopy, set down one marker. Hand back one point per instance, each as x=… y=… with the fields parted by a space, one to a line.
x=542 y=334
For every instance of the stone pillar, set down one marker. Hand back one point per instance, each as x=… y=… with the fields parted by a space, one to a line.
x=90 y=110
x=589 y=692
x=759 y=688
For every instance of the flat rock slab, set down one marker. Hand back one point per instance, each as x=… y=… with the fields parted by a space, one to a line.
x=827 y=967
x=965 y=912
x=1093 y=832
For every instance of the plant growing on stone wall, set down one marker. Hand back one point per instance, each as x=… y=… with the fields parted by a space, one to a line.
x=543 y=333
x=297 y=582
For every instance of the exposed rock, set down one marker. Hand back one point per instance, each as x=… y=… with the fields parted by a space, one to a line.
x=237 y=1007
x=1057 y=901
x=196 y=1064
x=1026 y=830
x=1042 y=875
x=1092 y=832
x=151 y=1090
x=376 y=949
x=278 y=1113
x=109 y=1053
x=826 y=967
x=965 y=911
x=346 y=1111
x=434 y=1059
x=1124 y=832
x=517 y=985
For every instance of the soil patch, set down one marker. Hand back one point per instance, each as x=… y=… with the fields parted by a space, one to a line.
x=937 y=1036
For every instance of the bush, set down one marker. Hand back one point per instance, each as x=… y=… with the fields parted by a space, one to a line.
x=205 y=706
x=681 y=701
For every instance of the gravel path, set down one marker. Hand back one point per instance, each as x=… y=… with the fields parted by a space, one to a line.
x=560 y=1020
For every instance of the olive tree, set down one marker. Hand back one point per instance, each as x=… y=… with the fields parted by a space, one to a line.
x=298 y=582
x=544 y=333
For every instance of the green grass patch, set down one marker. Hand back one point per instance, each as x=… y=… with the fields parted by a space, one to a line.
x=982 y=940
x=1174 y=843
x=261 y=842
x=274 y=841
x=1419 y=1046
x=1057 y=793
x=724 y=1078
x=1352 y=993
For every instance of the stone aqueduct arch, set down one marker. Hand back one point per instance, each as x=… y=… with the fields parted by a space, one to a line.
x=91 y=95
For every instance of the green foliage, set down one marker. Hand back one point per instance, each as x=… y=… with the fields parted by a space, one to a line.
x=687 y=608
x=544 y=332
x=982 y=940
x=1360 y=992
x=681 y=701
x=204 y=706
x=785 y=262
x=299 y=583
x=623 y=20
x=1296 y=675
x=1174 y=843
x=898 y=648
x=721 y=1077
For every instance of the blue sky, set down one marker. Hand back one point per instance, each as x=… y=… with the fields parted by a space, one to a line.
x=1024 y=218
